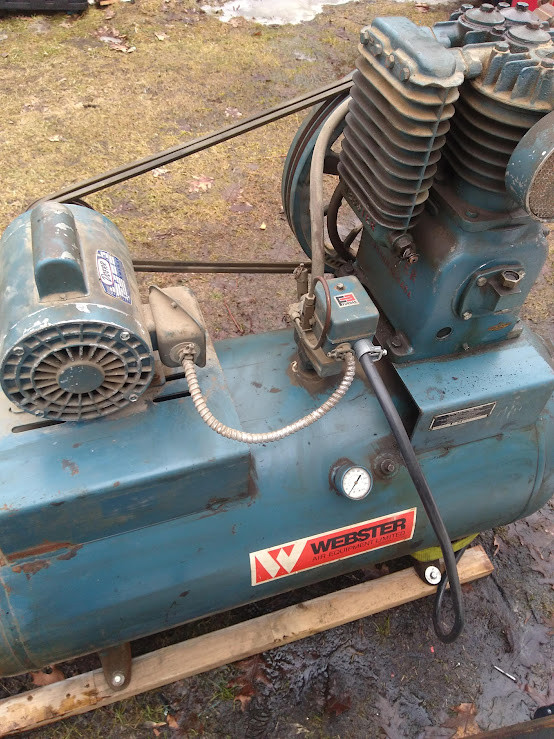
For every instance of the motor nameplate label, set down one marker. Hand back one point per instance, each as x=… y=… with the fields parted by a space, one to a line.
x=314 y=551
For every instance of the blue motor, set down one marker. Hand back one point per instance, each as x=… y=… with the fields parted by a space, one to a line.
x=73 y=340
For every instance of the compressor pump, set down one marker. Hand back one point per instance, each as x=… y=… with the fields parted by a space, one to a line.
x=150 y=476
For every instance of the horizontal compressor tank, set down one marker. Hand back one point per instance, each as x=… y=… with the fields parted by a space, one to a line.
x=72 y=340
x=138 y=522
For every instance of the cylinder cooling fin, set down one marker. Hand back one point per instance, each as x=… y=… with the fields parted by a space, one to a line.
x=402 y=99
x=495 y=111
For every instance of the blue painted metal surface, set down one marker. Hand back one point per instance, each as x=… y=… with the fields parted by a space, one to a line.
x=67 y=288
x=353 y=313
x=425 y=301
x=120 y=561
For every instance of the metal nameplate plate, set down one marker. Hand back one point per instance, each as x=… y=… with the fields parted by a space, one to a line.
x=465 y=415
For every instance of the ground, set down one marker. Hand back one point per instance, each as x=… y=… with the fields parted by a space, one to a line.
x=85 y=94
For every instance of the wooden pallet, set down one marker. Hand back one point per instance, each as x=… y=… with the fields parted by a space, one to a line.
x=45 y=705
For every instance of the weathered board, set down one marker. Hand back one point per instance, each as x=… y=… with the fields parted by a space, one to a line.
x=85 y=692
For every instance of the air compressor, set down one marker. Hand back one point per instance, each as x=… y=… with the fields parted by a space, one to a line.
x=150 y=476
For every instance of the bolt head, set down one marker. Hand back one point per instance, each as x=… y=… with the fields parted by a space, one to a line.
x=396 y=341
x=339 y=286
x=467 y=315
x=405 y=73
x=487 y=8
x=388 y=467
x=481 y=281
x=432 y=575
x=124 y=336
x=501 y=45
x=39 y=413
x=365 y=36
x=376 y=48
x=133 y=398
x=471 y=214
x=522 y=7
x=19 y=351
x=390 y=61
x=118 y=678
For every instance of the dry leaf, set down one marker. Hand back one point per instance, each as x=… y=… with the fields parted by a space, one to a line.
x=497 y=544
x=244 y=700
x=201 y=183
x=160 y=36
x=56 y=138
x=422 y=7
x=251 y=671
x=263 y=226
x=47 y=678
x=172 y=721
x=159 y=171
x=464 y=722
x=232 y=113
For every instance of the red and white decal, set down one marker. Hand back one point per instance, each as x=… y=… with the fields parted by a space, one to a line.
x=346 y=299
x=314 y=551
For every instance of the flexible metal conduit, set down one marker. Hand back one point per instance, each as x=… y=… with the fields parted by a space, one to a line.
x=247 y=438
x=316 y=190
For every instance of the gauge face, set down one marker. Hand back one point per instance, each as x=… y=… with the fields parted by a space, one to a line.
x=354 y=482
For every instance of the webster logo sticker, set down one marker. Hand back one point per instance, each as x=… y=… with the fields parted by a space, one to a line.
x=315 y=551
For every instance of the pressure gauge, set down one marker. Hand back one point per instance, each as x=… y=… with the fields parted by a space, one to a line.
x=353 y=481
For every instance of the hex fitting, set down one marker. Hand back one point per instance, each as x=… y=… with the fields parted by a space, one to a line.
x=511 y=278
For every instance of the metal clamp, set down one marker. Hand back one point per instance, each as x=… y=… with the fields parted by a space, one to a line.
x=340 y=351
x=364 y=346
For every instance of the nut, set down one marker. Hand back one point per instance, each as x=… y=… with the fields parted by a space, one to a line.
x=510 y=278
x=481 y=281
x=124 y=336
x=133 y=398
x=387 y=467
x=390 y=61
x=19 y=351
x=467 y=315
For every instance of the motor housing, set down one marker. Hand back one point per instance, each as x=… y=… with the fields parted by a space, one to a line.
x=73 y=340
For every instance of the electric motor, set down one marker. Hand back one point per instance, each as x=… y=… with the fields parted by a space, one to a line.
x=73 y=343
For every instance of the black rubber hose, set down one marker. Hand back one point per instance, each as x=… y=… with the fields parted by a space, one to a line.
x=441 y=589
x=362 y=349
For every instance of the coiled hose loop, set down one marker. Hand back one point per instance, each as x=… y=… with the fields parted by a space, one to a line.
x=247 y=438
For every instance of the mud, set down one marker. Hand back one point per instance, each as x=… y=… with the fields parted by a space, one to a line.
x=73 y=107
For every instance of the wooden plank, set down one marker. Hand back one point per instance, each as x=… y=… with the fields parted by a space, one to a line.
x=82 y=693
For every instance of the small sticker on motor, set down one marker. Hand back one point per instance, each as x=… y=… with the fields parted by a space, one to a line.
x=320 y=549
x=346 y=299
x=112 y=276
